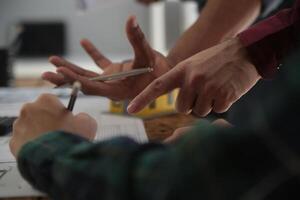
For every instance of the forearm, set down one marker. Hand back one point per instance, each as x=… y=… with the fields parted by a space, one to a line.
x=65 y=166
x=36 y=159
x=122 y=169
x=218 y=21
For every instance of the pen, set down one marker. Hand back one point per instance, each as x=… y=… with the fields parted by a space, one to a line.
x=117 y=76
x=75 y=89
x=120 y=75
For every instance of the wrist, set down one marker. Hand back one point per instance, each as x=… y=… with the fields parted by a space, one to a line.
x=171 y=59
x=240 y=53
x=243 y=53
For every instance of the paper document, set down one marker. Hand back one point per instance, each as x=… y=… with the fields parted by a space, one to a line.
x=12 y=99
x=113 y=126
x=12 y=184
x=5 y=155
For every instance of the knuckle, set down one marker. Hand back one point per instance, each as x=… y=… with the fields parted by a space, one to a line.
x=200 y=112
x=75 y=76
x=221 y=105
x=16 y=128
x=15 y=123
x=158 y=85
x=12 y=143
x=235 y=96
x=94 y=51
x=25 y=110
x=139 y=35
x=220 y=110
x=194 y=79
x=45 y=98
x=217 y=109
x=197 y=79
x=186 y=63
x=223 y=93
x=233 y=93
x=89 y=91
x=89 y=88
x=232 y=96
x=210 y=88
x=194 y=85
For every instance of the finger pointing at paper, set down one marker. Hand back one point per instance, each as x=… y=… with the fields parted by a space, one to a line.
x=211 y=80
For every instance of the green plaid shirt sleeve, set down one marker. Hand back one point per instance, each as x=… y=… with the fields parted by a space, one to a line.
x=209 y=163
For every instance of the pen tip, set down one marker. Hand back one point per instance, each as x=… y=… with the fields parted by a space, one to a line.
x=76 y=87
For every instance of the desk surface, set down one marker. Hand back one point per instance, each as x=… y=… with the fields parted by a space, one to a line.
x=157 y=129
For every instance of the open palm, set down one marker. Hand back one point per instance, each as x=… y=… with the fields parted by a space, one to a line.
x=127 y=88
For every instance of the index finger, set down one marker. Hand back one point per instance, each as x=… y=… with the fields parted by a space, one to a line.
x=58 y=62
x=158 y=87
x=98 y=57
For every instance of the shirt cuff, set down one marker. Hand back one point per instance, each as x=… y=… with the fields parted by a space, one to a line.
x=266 y=41
x=39 y=154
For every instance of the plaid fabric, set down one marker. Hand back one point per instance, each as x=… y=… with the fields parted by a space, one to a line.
x=209 y=163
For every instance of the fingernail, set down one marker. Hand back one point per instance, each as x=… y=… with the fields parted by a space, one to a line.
x=188 y=112
x=131 y=108
x=135 y=23
x=183 y=111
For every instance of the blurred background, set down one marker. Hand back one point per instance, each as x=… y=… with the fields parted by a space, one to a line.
x=32 y=30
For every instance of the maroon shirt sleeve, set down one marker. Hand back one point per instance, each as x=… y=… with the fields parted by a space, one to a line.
x=269 y=41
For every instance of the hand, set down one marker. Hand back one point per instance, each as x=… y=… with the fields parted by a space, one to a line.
x=210 y=80
x=128 y=88
x=147 y=2
x=178 y=133
x=47 y=114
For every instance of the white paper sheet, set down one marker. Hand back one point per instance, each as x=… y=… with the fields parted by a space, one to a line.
x=113 y=126
x=5 y=155
x=12 y=184
x=12 y=99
